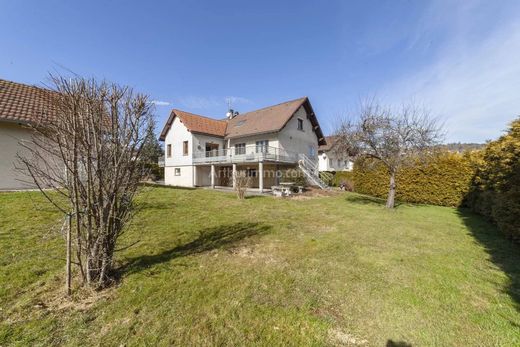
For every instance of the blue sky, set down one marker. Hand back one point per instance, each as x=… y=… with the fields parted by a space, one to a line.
x=461 y=59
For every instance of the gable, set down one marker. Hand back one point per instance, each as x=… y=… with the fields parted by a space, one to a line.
x=271 y=119
x=266 y=120
x=195 y=124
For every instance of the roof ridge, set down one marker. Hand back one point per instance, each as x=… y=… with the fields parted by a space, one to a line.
x=29 y=86
x=198 y=115
x=279 y=104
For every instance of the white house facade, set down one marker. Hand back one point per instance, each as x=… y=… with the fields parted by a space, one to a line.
x=201 y=151
x=330 y=161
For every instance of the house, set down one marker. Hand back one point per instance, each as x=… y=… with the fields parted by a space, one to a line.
x=330 y=161
x=202 y=151
x=20 y=105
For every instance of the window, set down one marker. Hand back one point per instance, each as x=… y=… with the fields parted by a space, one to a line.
x=339 y=163
x=240 y=148
x=262 y=146
x=251 y=172
x=169 y=151
x=177 y=171
x=330 y=162
x=185 y=148
x=300 y=124
x=312 y=151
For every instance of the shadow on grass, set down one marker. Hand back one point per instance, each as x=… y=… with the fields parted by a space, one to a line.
x=208 y=239
x=392 y=343
x=503 y=253
x=368 y=200
x=159 y=185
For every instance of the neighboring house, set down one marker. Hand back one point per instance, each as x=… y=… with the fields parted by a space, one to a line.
x=201 y=151
x=330 y=161
x=20 y=105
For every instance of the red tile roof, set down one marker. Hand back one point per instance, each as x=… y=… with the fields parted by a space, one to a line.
x=22 y=103
x=265 y=120
x=196 y=124
x=268 y=119
x=330 y=140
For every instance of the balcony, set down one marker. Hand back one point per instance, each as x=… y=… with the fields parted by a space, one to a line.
x=247 y=154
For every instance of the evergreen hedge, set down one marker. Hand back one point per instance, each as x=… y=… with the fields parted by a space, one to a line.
x=495 y=191
x=342 y=177
x=444 y=181
x=487 y=181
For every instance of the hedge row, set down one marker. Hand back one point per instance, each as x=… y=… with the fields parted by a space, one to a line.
x=445 y=180
x=495 y=191
x=487 y=181
x=342 y=177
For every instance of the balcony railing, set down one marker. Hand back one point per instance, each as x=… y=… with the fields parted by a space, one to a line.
x=250 y=153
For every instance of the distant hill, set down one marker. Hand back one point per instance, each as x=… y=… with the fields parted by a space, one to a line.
x=461 y=147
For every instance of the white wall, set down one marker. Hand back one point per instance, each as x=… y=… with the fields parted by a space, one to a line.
x=297 y=141
x=175 y=137
x=10 y=135
x=186 y=177
x=250 y=141
x=177 y=134
x=329 y=162
x=189 y=175
x=199 y=142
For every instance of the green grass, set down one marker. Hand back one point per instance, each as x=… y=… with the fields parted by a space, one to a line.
x=210 y=269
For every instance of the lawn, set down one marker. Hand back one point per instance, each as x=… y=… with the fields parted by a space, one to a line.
x=212 y=270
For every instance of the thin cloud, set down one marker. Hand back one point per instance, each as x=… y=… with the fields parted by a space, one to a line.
x=238 y=100
x=472 y=84
x=210 y=102
x=160 y=103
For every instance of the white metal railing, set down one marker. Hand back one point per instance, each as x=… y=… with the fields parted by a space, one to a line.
x=311 y=169
x=249 y=153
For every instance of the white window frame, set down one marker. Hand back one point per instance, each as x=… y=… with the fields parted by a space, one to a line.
x=300 y=122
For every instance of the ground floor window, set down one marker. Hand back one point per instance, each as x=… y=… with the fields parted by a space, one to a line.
x=177 y=171
x=251 y=172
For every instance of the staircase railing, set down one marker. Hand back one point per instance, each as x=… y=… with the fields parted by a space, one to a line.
x=310 y=169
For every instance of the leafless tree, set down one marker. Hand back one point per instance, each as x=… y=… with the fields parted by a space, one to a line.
x=85 y=161
x=242 y=182
x=395 y=138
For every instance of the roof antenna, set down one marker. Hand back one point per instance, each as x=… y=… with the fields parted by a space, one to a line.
x=230 y=113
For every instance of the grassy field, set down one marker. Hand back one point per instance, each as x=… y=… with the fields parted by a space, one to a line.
x=211 y=270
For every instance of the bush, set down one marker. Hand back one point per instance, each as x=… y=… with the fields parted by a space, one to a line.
x=444 y=180
x=345 y=177
x=495 y=191
x=296 y=176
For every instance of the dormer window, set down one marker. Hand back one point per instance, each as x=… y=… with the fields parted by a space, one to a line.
x=300 y=124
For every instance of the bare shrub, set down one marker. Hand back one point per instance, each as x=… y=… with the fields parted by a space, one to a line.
x=89 y=155
x=242 y=182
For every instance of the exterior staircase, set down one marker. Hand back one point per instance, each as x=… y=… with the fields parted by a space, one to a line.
x=311 y=170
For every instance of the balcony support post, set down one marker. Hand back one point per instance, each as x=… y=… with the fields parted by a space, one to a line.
x=234 y=175
x=212 y=176
x=261 y=177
